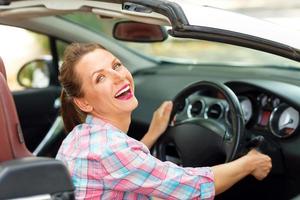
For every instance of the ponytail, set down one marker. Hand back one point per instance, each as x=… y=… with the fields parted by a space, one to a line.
x=71 y=115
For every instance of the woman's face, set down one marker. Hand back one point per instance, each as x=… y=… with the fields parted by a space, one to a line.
x=107 y=86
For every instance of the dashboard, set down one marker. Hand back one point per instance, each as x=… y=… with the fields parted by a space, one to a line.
x=271 y=103
x=269 y=98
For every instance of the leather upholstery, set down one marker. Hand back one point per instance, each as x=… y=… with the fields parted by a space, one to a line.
x=23 y=177
x=12 y=144
x=2 y=68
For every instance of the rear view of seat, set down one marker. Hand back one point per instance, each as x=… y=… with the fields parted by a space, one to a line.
x=2 y=68
x=12 y=142
x=21 y=174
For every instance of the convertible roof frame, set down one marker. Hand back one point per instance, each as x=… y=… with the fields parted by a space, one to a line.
x=239 y=39
x=182 y=28
x=160 y=12
x=38 y=8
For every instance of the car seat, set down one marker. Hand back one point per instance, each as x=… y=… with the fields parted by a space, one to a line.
x=23 y=175
x=2 y=68
x=12 y=142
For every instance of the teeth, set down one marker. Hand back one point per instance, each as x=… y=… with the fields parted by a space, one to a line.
x=122 y=91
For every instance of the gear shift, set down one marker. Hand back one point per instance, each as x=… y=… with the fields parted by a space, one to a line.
x=255 y=142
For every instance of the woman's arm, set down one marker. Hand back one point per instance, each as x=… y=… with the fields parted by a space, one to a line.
x=158 y=124
x=129 y=166
x=254 y=163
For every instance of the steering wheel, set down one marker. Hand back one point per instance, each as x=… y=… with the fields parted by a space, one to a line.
x=203 y=141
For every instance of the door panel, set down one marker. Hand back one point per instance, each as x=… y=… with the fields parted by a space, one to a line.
x=37 y=111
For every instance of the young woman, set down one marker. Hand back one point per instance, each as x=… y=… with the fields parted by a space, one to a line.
x=97 y=102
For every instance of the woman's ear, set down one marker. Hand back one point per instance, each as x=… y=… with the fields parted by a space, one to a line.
x=83 y=105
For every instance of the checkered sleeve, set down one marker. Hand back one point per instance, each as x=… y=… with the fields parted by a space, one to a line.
x=130 y=167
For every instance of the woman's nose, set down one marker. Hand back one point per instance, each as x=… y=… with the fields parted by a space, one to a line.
x=117 y=76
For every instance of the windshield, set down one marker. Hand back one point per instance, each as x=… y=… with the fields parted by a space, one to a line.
x=183 y=50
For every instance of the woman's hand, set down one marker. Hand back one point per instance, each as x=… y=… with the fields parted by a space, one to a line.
x=160 y=119
x=262 y=164
x=253 y=163
x=159 y=123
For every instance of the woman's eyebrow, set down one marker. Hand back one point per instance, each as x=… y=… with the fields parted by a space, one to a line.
x=97 y=71
x=102 y=69
x=114 y=61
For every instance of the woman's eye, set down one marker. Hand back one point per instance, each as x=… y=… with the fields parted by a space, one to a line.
x=100 y=78
x=117 y=66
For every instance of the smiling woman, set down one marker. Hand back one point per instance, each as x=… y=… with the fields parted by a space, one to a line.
x=97 y=102
x=97 y=93
x=250 y=57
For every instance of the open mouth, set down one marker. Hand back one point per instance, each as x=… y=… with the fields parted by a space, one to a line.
x=124 y=93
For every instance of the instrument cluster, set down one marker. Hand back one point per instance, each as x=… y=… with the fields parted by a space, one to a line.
x=262 y=112
x=275 y=115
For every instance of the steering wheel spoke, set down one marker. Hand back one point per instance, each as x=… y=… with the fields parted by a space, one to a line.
x=210 y=124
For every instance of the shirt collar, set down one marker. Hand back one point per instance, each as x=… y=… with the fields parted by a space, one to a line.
x=90 y=119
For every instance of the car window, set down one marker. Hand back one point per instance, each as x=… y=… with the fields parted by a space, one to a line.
x=18 y=47
x=61 y=46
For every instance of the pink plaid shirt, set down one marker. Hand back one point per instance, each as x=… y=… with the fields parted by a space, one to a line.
x=105 y=163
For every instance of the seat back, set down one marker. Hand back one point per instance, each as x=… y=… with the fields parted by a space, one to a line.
x=21 y=174
x=2 y=68
x=11 y=138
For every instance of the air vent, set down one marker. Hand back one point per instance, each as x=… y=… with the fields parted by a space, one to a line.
x=214 y=111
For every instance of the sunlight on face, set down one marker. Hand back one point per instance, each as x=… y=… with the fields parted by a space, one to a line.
x=107 y=85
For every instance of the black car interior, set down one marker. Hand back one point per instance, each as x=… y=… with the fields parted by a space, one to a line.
x=272 y=97
x=18 y=167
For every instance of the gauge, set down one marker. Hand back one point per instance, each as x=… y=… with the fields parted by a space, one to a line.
x=246 y=108
x=180 y=110
x=263 y=100
x=214 y=111
x=275 y=102
x=284 y=120
x=195 y=108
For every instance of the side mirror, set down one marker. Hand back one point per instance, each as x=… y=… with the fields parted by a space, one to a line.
x=139 y=32
x=35 y=74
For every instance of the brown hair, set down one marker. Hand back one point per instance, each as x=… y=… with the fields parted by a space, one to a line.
x=71 y=83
